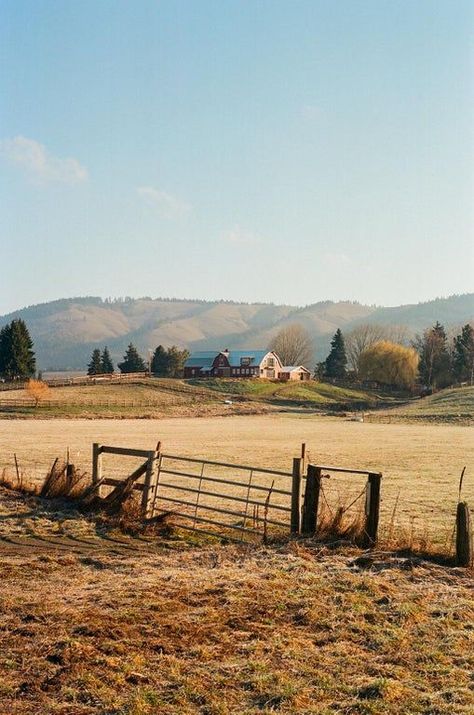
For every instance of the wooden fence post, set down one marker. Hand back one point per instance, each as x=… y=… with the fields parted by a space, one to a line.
x=464 y=553
x=372 y=509
x=96 y=466
x=303 y=456
x=311 y=499
x=296 y=496
x=151 y=483
x=70 y=474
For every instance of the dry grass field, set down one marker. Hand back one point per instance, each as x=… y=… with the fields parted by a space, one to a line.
x=421 y=464
x=233 y=632
x=230 y=630
x=161 y=397
x=146 y=399
x=94 y=622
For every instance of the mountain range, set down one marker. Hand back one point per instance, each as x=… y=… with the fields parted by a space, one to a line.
x=66 y=331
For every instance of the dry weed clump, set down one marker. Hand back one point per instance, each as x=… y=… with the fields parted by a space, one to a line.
x=341 y=524
x=19 y=482
x=61 y=481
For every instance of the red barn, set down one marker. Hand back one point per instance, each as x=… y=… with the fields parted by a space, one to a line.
x=234 y=363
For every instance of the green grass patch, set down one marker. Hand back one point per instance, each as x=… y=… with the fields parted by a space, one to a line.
x=318 y=393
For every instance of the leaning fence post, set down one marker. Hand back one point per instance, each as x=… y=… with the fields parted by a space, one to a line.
x=296 y=496
x=372 y=509
x=311 y=499
x=149 y=488
x=464 y=553
x=96 y=466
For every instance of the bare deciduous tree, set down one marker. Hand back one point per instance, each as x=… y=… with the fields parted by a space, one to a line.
x=363 y=336
x=293 y=345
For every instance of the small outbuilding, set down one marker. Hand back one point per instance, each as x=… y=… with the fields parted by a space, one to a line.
x=294 y=372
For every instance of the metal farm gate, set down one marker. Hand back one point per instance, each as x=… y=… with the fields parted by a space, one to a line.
x=241 y=501
x=238 y=501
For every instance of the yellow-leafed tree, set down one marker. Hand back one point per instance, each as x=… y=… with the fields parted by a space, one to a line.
x=389 y=364
x=38 y=390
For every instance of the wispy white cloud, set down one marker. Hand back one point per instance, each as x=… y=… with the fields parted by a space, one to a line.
x=168 y=206
x=39 y=163
x=239 y=236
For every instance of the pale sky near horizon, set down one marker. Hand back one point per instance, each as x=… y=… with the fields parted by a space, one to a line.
x=269 y=150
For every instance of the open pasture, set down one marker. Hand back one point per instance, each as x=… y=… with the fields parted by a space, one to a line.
x=421 y=464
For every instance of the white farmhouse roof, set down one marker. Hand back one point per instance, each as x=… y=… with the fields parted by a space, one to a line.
x=292 y=368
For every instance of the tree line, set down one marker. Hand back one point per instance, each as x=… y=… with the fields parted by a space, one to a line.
x=382 y=354
x=385 y=355
x=164 y=363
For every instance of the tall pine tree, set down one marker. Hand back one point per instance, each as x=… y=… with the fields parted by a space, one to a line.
x=463 y=355
x=336 y=361
x=159 y=362
x=5 y=350
x=17 y=357
x=106 y=363
x=95 y=365
x=132 y=362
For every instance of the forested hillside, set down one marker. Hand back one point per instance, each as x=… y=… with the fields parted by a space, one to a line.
x=66 y=331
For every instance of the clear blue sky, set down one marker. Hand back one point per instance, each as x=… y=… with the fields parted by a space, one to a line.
x=269 y=150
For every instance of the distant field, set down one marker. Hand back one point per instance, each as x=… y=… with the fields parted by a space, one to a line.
x=160 y=397
x=157 y=397
x=451 y=405
x=421 y=463
x=146 y=398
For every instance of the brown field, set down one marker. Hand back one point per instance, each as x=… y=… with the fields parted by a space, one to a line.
x=233 y=631
x=421 y=464
x=94 y=622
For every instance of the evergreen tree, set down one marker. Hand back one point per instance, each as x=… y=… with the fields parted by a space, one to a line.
x=336 y=361
x=463 y=355
x=5 y=350
x=132 y=362
x=319 y=371
x=159 y=362
x=435 y=363
x=106 y=363
x=95 y=365
x=17 y=358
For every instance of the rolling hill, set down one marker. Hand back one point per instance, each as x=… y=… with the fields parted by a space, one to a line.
x=65 y=331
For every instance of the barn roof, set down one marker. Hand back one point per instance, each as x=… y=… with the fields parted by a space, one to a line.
x=290 y=368
x=203 y=358
x=256 y=356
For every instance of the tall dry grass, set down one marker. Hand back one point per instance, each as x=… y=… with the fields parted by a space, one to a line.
x=61 y=481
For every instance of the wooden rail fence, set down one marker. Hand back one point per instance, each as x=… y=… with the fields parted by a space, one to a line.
x=237 y=499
